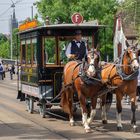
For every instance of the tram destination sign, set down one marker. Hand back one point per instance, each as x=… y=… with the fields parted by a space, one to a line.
x=28 y=25
x=77 y=18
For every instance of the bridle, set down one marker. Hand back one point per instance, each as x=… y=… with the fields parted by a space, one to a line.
x=130 y=61
x=120 y=72
x=92 y=66
x=92 y=57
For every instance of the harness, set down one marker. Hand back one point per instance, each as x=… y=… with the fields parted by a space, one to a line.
x=124 y=76
x=88 y=80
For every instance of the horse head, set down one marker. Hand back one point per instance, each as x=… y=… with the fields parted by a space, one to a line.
x=131 y=57
x=93 y=58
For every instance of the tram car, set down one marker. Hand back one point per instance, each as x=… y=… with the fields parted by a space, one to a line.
x=42 y=59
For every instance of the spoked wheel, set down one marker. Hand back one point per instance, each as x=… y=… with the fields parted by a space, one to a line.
x=30 y=104
x=42 y=109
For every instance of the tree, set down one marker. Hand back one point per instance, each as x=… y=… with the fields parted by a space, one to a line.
x=2 y=37
x=102 y=10
x=130 y=11
x=4 y=47
x=15 y=47
x=63 y=9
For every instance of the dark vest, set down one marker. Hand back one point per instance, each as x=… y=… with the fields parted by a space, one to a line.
x=80 y=52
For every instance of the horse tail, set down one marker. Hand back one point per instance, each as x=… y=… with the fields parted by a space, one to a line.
x=109 y=99
x=67 y=98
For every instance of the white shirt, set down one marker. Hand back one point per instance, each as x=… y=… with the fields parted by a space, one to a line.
x=68 y=50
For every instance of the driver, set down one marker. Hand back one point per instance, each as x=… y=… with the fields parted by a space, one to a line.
x=77 y=49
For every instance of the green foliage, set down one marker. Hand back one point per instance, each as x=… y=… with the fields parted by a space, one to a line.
x=50 y=49
x=107 y=49
x=102 y=10
x=130 y=10
x=4 y=49
x=4 y=46
x=15 y=47
x=3 y=37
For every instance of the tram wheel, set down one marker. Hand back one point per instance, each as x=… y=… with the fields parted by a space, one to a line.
x=42 y=110
x=30 y=104
x=27 y=103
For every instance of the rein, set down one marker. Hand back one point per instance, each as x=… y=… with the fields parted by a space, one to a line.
x=78 y=76
x=124 y=76
x=93 y=78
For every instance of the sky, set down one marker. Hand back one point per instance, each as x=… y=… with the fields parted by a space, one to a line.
x=23 y=10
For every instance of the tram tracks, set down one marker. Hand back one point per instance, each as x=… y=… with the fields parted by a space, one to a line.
x=5 y=85
x=19 y=112
x=12 y=105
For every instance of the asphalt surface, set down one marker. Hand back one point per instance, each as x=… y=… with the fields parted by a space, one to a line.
x=16 y=123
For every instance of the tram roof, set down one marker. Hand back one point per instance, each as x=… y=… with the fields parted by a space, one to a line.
x=65 y=27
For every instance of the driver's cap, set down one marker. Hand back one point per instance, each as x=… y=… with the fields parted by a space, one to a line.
x=78 y=32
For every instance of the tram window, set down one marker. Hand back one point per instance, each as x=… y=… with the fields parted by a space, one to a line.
x=63 y=46
x=34 y=44
x=23 y=51
x=49 y=50
x=29 y=54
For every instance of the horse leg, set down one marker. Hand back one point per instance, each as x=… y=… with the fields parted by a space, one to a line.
x=119 y=111
x=93 y=110
x=103 y=114
x=71 y=118
x=133 y=109
x=69 y=95
x=82 y=100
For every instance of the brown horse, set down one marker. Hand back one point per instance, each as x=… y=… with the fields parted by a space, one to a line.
x=73 y=82
x=124 y=76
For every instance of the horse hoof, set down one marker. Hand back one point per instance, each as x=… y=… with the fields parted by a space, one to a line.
x=89 y=121
x=72 y=124
x=88 y=130
x=134 y=129
x=119 y=128
x=104 y=121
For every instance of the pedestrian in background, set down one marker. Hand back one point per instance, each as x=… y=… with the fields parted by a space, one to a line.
x=4 y=69
x=1 y=72
x=12 y=71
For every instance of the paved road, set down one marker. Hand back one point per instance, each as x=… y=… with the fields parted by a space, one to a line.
x=17 y=123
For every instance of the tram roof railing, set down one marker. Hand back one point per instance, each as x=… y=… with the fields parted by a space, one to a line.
x=82 y=26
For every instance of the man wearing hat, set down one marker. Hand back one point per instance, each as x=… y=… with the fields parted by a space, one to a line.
x=77 y=48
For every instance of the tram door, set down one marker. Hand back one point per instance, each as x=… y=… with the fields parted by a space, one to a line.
x=53 y=68
x=28 y=61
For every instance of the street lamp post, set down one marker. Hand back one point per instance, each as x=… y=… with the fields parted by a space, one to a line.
x=11 y=38
x=32 y=11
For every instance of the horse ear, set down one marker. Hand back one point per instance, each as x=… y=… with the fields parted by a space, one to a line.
x=98 y=47
x=95 y=50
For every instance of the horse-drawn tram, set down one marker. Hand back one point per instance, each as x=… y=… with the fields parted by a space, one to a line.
x=48 y=78
x=42 y=59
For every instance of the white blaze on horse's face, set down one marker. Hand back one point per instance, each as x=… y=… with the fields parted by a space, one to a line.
x=135 y=63
x=91 y=68
x=91 y=62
